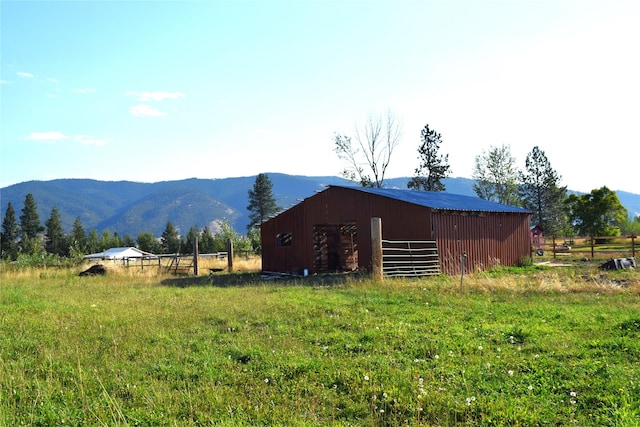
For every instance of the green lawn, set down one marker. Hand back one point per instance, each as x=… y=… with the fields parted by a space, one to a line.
x=546 y=346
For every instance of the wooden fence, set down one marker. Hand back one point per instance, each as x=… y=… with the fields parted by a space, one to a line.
x=168 y=263
x=590 y=247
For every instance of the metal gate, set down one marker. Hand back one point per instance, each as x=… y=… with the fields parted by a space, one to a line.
x=403 y=258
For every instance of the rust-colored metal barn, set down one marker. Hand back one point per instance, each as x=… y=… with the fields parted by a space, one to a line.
x=331 y=230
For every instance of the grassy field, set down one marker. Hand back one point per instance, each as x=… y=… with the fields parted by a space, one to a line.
x=537 y=345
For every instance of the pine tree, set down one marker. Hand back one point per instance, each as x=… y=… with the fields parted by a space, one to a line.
x=170 y=240
x=148 y=243
x=9 y=235
x=206 y=243
x=127 y=241
x=262 y=205
x=55 y=241
x=192 y=235
x=30 y=227
x=433 y=166
x=540 y=193
x=93 y=241
x=78 y=238
x=29 y=220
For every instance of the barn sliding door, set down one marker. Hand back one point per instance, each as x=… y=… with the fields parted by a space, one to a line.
x=335 y=247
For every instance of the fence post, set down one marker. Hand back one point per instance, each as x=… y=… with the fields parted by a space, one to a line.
x=195 y=256
x=463 y=261
x=376 y=248
x=230 y=255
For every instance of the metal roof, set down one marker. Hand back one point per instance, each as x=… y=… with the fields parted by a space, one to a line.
x=439 y=200
x=121 y=253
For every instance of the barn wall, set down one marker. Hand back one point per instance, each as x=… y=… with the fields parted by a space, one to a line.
x=489 y=239
x=337 y=205
x=288 y=259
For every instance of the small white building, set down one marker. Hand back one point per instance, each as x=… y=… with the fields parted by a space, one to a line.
x=121 y=254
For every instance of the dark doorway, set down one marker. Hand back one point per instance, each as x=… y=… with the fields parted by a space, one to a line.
x=335 y=247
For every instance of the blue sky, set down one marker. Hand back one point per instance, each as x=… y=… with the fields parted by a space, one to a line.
x=152 y=90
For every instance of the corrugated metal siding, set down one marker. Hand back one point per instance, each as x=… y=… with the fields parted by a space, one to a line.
x=487 y=239
x=289 y=259
x=338 y=205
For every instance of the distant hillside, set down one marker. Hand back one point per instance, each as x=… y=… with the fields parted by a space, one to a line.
x=132 y=207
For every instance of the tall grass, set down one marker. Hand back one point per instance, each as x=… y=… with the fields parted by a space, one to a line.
x=508 y=347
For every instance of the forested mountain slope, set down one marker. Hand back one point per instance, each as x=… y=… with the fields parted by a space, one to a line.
x=132 y=207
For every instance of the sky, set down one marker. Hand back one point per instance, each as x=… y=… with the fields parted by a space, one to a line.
x=152 y=91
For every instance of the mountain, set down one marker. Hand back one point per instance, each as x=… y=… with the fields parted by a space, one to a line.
x=129 y=208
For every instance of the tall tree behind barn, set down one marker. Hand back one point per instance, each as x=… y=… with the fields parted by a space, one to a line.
x=262 y=204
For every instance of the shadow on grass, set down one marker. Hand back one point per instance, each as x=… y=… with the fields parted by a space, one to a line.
x=239 y=279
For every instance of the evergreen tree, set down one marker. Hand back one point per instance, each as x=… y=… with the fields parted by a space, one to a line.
x=170 y=240
x=30 y=227
x=540 y=193
x=148 y=243
x=108 y=240
x=55 y=241
x=127 y=241
x=262 y=205
x=192 y=235
x=116 y=240
x=105 y=241
x=78 y=238
x=9 y=235
x=496 y=176
x=93 y=242
x=433 y=166
x=206 y=243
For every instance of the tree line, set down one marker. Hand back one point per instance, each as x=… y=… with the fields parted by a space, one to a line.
x=537 y=187
x=27 y=237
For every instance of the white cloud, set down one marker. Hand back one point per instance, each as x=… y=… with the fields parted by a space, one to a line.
x=89 y=140
x=155 y=96
x=52 y=80
x=47 y=136
x=83 y=90
x=54 y=137
x=145 y=111
x=25 y=75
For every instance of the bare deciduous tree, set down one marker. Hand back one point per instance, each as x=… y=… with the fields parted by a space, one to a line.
x=370 y=149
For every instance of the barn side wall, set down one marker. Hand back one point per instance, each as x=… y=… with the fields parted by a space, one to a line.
x=337 y=205
x=488 y=239
x=285 y=259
